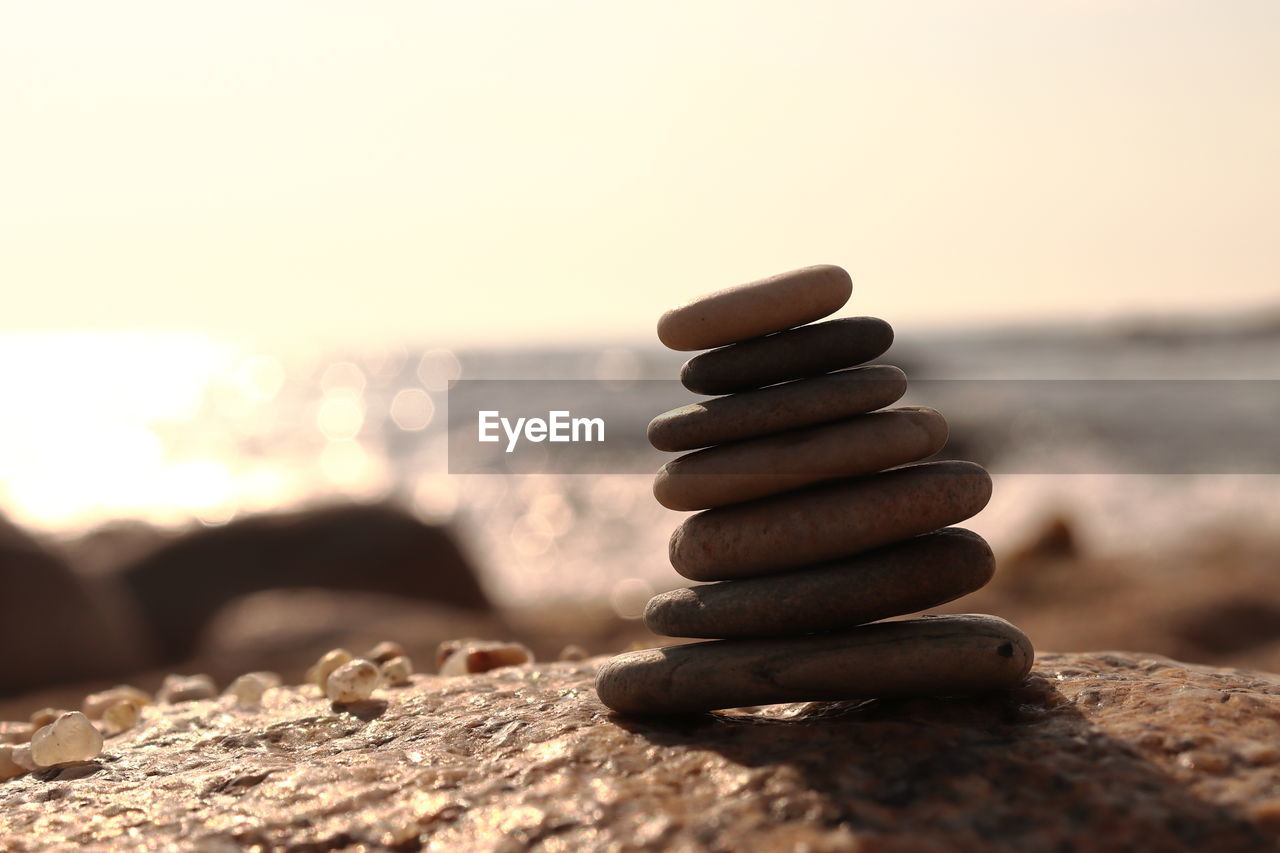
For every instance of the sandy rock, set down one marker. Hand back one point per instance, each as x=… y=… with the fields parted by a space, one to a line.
x=793 y=354
x=756 y=308
x=772 y=464
x=805 y=402
x=827 y=522
x=906 y=577
x=1102 y=752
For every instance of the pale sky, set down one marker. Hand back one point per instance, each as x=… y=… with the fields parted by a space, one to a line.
x=482 y=172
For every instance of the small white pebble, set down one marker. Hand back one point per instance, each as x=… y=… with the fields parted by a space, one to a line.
x=11 y=732
x=482 y=656
x=69 y=738
x=385 y=651
x=269 y=678
x=573 y=652
x=96 y=703
x=186 y=688
x=354 y=681
x=329 y=661
x=20 y=755
x=248 y=689
x=397 y=670
x=8 y=767
x=121 y=716
x=44 y=717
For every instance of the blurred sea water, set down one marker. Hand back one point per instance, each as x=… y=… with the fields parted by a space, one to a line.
x=174 y=428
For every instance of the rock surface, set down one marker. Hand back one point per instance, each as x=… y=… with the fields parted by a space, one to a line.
x=1094 y=752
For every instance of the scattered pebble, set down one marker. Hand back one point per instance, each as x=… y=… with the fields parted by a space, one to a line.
x=44 y=717
x=186 y=688
x=329 y=661
x=95 y=704
x=249 y=688
x=385 y=651
x=69 y=738
x=354 y=681
x=11 y=732
x=8 y=767
x=397 y=670
x=573 y=652
x=471 y=656
x=21 y=756
x=121 y=716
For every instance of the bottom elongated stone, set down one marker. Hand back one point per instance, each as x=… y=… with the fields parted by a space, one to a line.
x=928 y=656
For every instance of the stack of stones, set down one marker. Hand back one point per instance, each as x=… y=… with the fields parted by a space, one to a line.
x=811 y=523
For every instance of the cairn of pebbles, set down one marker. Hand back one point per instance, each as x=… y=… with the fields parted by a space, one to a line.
x=812 y=522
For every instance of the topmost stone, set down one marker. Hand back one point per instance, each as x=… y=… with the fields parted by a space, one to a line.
x=758 y=308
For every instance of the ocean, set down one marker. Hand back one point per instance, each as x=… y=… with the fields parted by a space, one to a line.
x=1141 y=436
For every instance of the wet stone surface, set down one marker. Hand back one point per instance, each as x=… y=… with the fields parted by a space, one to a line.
x=1095 y=751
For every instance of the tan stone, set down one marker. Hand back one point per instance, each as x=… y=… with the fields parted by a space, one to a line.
x=794 y=354
x=932 y=655
x=902 y=578
x=805 y=402
x=756 y=468
x=756 y=308
x=827 y=521
x=1087 y=753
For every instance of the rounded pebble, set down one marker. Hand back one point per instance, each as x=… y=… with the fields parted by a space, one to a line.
x=95 y=704
x=397 y=670
x=828 y=521
x=573 y=652
x=248 y=689
x=793 y=354
x=354 y=681
x=14 y=732
x=319 y=673
x=44 y=717
x=8 y=767
x=928 y=656
x=384 y=651
x=803 y=403
x=757 y=468
x=483 y=655
x=186 y=688
x=121 y=716
x=69 y=738
x=756 y=308
x=20 y=754
x=902 y=578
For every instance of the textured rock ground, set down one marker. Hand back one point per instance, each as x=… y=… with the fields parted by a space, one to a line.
x=1093 y=752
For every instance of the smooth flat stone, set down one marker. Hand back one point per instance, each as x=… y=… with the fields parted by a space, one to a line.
x=929 y=656
x=805 y=402
x=759 y=467
x=828 y=521
x=902 y=578
x=756 y=308
x=793 y=354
